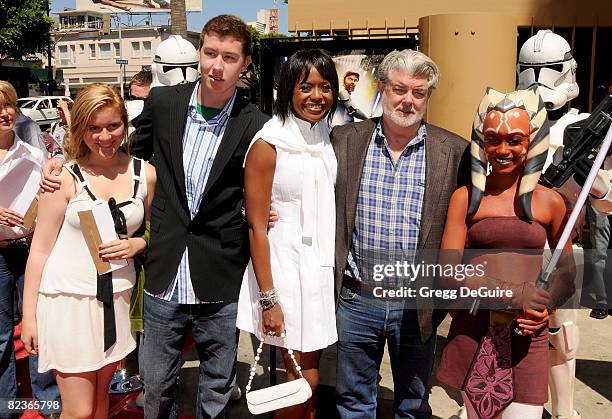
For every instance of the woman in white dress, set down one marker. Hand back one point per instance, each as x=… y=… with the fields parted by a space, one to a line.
x=291 y=167
x=77 y=320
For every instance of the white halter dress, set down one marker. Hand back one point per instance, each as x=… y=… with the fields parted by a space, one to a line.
x=302 y=241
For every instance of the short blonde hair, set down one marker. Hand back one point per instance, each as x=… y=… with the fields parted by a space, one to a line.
x=89 y=101
x=8 y=95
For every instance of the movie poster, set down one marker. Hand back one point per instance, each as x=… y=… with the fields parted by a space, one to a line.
x=359 y=98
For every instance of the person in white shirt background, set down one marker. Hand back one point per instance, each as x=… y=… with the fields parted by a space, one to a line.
x=14 y=248
x=28 y=130
x=54 y=139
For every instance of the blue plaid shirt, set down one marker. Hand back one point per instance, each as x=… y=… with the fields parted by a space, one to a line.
x=389 y=205
x=201 y=141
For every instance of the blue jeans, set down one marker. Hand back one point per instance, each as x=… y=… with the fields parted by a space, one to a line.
x=166 y=324
x=12 y=269
x=364 y=325
x=599 y=235
x=44 y=386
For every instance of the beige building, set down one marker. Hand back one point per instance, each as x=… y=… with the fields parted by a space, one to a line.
x=389 y=16
x=87 y=48
x=475 y=42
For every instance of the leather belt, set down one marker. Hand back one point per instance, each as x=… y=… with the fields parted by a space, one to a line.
x=16 y=242
x=357 y=286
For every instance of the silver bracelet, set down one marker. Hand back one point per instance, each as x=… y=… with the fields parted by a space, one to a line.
x=268 y=299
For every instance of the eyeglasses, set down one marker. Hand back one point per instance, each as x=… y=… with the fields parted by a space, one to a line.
x=134 y=97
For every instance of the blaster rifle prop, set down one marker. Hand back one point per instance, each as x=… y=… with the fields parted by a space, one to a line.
x=544 y=279
x=580 y=140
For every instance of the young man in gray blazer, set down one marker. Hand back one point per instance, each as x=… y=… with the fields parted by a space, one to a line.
x=395 y=177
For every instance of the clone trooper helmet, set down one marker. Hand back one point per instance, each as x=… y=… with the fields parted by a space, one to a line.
x=546 y=60
x=176 y=61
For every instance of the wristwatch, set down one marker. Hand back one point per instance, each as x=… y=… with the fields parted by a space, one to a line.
x=268 y=299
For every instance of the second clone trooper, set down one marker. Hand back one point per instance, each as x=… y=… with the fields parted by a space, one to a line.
x=176 y=61
x=546 y=60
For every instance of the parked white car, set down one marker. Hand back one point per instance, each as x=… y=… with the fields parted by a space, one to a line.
x=42 y=109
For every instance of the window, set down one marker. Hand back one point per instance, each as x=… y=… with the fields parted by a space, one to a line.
x=92 y=51
x=135 y=49
x=26 y=104
x=94 y=22
x=82 y=48
x=105 y=50
x=117 y=49
x=63 y=55
x=146 y=48
x=43 y=104
x=73 y=54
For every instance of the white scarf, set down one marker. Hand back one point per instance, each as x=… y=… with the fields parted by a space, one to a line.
x=318 y=199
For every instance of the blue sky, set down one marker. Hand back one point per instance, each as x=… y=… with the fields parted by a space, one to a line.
x=246 y=9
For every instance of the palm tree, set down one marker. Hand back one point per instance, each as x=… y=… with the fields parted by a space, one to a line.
x=178 y=18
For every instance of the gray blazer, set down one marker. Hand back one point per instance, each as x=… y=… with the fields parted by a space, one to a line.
x=447 y=168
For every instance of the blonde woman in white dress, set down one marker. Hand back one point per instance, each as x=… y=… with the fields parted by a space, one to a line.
x=291 y=167
x=76 y=320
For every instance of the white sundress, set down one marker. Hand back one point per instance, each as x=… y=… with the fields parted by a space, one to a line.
x=302 y=241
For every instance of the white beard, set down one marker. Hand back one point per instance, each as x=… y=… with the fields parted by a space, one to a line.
x=400 y=119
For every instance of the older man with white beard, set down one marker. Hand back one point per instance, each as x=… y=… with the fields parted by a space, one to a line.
x=395 y=177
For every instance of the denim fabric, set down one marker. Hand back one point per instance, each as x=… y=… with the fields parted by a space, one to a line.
x=364 y=326
x=11 y=267
x=599 y=235
x=166 y=324
x=44 y=386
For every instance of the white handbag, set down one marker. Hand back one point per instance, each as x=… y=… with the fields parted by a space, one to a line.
x=278 y=396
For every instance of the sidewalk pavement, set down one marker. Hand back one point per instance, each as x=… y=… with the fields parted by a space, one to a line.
x=593 y=393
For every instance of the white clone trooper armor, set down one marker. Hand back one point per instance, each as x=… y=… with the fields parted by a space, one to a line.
x=545 y=60
x=176 y=61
